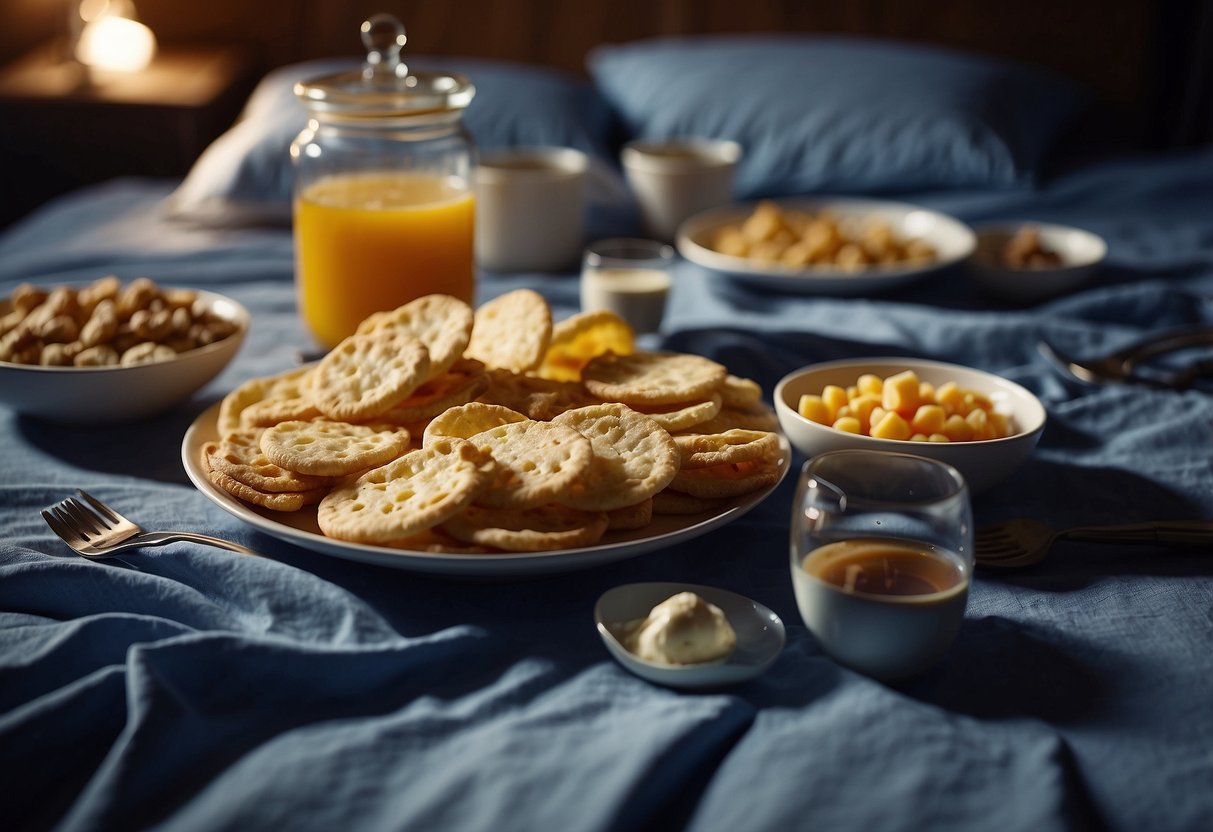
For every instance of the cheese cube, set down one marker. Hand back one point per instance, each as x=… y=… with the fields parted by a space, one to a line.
x=814 y=409
x=900 y=393
x=891 y=426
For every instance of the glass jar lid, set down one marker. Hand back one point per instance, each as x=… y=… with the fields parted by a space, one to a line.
x=385 y=86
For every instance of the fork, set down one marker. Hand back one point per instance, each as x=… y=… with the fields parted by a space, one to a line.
x=97 y=531
x=1023 y=542
x=1124 y=365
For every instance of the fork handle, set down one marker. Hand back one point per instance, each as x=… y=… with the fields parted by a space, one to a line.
x=1189 y=532
x=161 y=538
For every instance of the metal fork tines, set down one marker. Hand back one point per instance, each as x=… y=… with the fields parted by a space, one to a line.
x=93 y=529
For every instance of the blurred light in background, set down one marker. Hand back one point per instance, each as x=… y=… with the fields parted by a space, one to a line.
x=111 y=37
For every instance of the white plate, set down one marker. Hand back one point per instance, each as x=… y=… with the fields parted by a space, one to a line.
x=300 y=527
x=760 y=634
x=952 y=239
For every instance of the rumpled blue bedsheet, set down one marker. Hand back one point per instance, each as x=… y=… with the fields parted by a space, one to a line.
x=186 y=688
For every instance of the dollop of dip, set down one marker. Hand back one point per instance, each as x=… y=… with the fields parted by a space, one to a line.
x=683 y=629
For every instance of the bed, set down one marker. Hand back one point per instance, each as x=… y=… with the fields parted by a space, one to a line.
x=186 y=688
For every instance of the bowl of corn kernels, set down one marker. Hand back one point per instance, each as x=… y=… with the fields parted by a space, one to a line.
x=112 y=351
x=983 y=425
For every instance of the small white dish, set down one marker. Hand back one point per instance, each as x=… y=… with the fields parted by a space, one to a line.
x=952 y=240
x=1080 y=252
x=760 y=634
x=983 y=463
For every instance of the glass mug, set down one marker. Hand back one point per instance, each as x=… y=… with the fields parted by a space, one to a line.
x=384 y=211
x=881 y=558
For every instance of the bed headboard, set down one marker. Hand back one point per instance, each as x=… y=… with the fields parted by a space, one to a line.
x=1139 y=55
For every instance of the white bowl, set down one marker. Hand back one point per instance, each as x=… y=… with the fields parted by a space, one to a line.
x=105 y=395
x=983 y=463
x=760 y=634
x=952 y=239
x=1080 y=251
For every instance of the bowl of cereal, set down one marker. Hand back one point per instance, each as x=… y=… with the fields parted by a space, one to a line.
x=112 y=352
x=1025 y=262
x=983 y=425
x=825 y=245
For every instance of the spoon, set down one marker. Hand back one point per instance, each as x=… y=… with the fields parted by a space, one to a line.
x=760 y=634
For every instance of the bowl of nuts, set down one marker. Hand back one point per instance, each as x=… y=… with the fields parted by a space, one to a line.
x=824 y=245
x=112 y=352
x=981 y=424
x=1024 y=262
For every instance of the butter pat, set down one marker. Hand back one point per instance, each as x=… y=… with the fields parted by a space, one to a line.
x=683 y=629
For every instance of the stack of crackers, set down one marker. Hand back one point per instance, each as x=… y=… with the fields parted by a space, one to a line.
x=436 y=427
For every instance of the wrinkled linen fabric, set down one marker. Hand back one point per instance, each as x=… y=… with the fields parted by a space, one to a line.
x=185 y=688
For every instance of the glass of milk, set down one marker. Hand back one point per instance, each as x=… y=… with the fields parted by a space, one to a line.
x=629 y=277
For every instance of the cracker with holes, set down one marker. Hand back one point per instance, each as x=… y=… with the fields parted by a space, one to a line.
x=366 y=375
x=633 y=457
x=747 y=418
x=538 y=529
x=630 y=517
x=653 y=378
x=462 y=383
x=670 y=502
x=331 y=449
x=536 y=462
x=239 y=456
x=441 y=322
x=681 y=415
x=736 y=445
x=740 y=392
x=269 y=412
x=409 y=495
x=729 y=479
x=512 y=331
x=285 y=501
x=287 y=384
x=537 y=398
x=467 y=420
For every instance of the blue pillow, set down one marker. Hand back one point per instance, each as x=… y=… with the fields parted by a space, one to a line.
x=839 y=114
x=245 y=175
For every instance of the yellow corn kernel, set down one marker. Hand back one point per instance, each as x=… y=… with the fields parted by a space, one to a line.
x=1000 y=424
x=975 y=399
x=900 y=393
x=957 y=429
x=918 y=437
x=949 y=396
x=891 y=426
x=926 y=392
x=869 y=383
x=938 y=437
x=929 y=418
x=835 y=398
x=980 y=423
x=861 y=408
x=853 y=392
x=814 y=409
x=848 y=423
x=875 y=416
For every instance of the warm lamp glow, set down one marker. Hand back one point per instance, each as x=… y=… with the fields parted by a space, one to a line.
x=112 y=41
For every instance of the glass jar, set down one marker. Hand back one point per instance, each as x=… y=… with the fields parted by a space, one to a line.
x=384 y=210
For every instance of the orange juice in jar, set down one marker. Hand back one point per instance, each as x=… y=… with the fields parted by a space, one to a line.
x=376 y=240
x=384 y=211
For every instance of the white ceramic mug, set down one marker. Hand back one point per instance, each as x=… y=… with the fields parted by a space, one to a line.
x=530 y=208
x=674 y=179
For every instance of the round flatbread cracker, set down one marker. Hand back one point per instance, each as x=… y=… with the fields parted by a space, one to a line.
x=633 y=457
x=512 y=331
x=331 y=449
x=730 y=479
x=239 y=456
x=366 y=375
x=699 y=450
x=287 y=384
x=653 y=378
x=442 y=322
x=463 y=382
x=467 y=420
x=740 y=392
x=536 y=462
x=410 y=494
x=538 y=529
x=537 y=398
x=282 y=501
x=682 y=416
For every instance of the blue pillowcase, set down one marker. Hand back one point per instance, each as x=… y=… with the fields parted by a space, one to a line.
x=842 y=115
x=245 y=175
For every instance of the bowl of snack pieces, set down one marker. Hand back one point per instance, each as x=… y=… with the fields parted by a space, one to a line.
x=1030 y=261
x=824 y=245
x=983 y=425
x=112 y=351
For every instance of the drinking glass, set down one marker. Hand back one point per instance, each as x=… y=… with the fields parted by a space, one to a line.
x=630 y=277
x=881 y=558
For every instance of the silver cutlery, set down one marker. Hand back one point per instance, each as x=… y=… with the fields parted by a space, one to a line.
x=1023 y=542
x=93 y=529
x=1129 y=364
